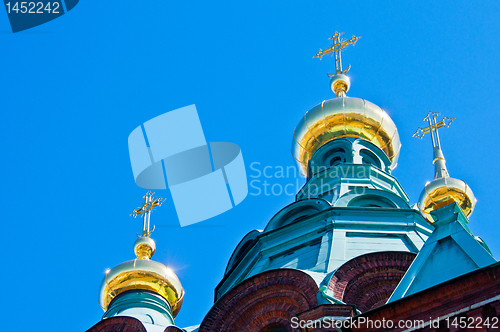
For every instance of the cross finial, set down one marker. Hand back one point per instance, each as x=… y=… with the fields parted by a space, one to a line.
x=439 y=161
x=336 y=48
x=433 y=127
x=145 y=210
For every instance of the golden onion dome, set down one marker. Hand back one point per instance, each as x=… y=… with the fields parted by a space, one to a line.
x=444 y=191
x=142 y=274
x=344 y=117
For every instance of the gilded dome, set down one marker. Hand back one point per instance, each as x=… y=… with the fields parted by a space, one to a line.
x=444 y=191
x=344 y=117
x=142 y=274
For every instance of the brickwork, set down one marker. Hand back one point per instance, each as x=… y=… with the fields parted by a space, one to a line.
x=271 y=298
x=118 y=323
x=368 y=280
x=337 y=310
x=476 y=294
x=268 y=301
x=173 y=329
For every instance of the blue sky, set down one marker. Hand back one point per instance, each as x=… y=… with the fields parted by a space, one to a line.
x=74 y=88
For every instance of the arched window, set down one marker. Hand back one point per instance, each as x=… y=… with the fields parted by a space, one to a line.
x=371 y=201
x=243 y=250
x=334 y=157
x=296 y=215
x=369 y=158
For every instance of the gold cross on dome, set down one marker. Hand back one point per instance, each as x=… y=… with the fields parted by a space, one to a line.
x=336 y=48
x=433 y=127
x=145 y=210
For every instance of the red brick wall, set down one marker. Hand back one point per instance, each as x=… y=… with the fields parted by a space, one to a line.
x=271 y=298
x=118 y=324
x=369 y=280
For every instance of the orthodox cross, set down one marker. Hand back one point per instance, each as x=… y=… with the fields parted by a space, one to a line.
x=439 y=161
x=145 y=210
x=337 y=46
x=433 y=127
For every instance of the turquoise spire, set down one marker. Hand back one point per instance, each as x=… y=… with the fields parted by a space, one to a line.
x=142 y=288
x=443 y=190
x=451 y=251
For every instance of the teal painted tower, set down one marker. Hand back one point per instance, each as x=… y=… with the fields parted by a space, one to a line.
x=351 y=206
x=350 y=211
x=351 y=243
x=349 y=247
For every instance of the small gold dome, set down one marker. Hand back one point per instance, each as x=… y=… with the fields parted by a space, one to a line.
x=344 y=117
x=142 y=274
x=444 y=191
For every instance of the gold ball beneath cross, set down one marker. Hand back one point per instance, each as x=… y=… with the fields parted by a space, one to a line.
x=144 y=248
x=340 y=84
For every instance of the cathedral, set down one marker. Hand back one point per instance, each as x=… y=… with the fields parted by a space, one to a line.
x=350 y=254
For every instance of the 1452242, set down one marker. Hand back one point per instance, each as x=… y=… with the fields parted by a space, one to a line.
x=24 y=7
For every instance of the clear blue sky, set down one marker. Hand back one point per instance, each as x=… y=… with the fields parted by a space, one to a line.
x=74 y=88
